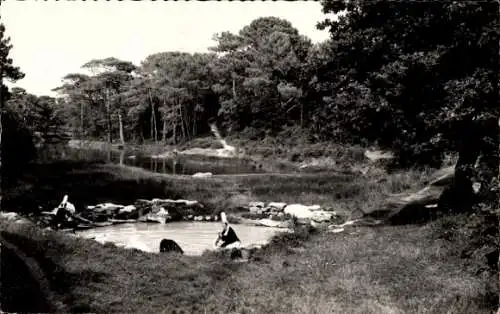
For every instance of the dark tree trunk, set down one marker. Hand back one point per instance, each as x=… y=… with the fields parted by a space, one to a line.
x=164 y=133
x=108 y=116
x=81 y=121
x=122 y=138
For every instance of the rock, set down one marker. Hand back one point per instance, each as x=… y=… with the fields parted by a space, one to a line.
x=108 y=209
x=305 y=214
x=267 y=209
x=278 y=206
x=167 y=245
x=127 y=209
x=160 y=215
x=272 y=223
x=202 y=175
x=9 y=215
x=189 y=203
x=257 y=204
x=208 y=218
x=375 y=155
x=216 y=218
x=254 y=209
x=321 y=216
x=301 y=211
x=277 y=217
x=198 y=218
x=336 y=230
x=314 y=207
x=143 y=202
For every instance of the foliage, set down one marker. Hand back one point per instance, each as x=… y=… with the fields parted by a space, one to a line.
x=413 y=77
x=17 y=147
x=418 y=78
x=40 y=115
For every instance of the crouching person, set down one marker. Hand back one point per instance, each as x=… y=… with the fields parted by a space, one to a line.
x=227 y=238
x=64 y=215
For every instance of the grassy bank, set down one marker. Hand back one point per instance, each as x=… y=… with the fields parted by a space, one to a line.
x=89 y=183
x=403 y=269
x=407 y=269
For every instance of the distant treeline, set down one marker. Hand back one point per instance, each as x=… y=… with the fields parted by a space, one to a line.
x=419 y=78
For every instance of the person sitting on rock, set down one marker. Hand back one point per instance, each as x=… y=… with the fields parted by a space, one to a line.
x=64 y=213
x=227 y=238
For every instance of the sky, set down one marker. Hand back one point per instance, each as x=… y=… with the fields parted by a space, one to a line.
x=53 y=38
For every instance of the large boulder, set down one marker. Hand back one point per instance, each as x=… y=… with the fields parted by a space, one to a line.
x=167 y=245
x=202 y=175
x=279 y=206
x=308 y=213
x=127 y=212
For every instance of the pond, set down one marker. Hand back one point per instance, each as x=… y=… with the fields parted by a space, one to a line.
x=181 y=165
x=193 y=237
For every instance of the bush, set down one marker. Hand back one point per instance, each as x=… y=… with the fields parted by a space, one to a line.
x=17 y=148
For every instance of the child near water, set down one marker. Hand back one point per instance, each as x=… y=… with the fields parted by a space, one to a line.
x=227 y=238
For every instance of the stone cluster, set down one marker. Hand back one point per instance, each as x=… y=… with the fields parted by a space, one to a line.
x=155 y=210
x=278 y=211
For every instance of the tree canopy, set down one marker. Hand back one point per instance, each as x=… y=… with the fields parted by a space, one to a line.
x=418 y=78
x=17 y=147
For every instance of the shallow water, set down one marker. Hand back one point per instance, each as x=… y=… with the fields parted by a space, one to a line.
x=193 y=237
x=182 y=165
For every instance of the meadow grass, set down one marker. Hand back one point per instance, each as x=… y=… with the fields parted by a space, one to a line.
x=404 y=269
x=89 y=183
x=387 y=269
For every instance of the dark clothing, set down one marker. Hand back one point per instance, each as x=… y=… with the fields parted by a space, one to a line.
x=229 y=238
x=167 y=245
x=63 y=218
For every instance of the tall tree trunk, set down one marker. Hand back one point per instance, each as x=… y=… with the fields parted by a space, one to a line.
x=1 y=127
x=81 y=121
x=461 y=196
x=108 y=115
x=154 y=134
x=233 y=74
x=122 y=138
x=151 y=122
x=164 y=118
x=122 y=157
x=194 y=123
x=183 y=127
x=164 y=134
x=186 y=123
x=155 y=128
x=1 y=107
x=174 y=136
x=301 y=115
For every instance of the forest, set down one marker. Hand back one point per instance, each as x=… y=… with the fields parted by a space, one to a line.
x=419 y=78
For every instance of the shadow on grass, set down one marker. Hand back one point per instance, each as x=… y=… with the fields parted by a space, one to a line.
x=17 y=283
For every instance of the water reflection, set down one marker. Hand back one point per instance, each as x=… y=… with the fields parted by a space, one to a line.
x=182 y=165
